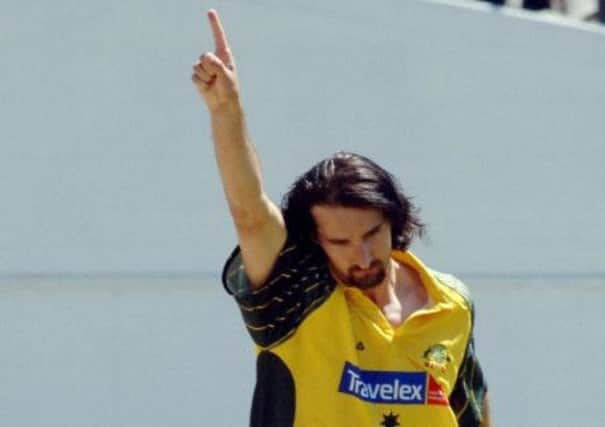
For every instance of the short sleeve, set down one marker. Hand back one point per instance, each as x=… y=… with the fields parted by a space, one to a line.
x=469 y=392
x=299 y=282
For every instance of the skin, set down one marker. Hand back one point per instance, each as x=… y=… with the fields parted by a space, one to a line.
x=258 y=221
x=487 y=417
x=356 y=241
x=358 y=245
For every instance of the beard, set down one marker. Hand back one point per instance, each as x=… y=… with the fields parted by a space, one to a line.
x=365 y=278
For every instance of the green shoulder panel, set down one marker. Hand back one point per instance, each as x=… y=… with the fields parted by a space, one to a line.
x=459 y=287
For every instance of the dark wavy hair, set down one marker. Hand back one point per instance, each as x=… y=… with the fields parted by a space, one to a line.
x=354 y=181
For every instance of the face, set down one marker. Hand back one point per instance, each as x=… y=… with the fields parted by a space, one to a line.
x=357 y=243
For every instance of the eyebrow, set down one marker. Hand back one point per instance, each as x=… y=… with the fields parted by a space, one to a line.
x=367 y=234
x=373 y=230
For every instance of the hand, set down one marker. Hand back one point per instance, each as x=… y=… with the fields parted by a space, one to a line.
x=214 y=74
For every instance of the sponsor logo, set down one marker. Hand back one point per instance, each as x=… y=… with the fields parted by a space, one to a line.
x=383 y=386
x=436 y=394
x=391 y=386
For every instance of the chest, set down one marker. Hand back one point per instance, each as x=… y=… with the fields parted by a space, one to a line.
x=340 y=342
x=346 y=362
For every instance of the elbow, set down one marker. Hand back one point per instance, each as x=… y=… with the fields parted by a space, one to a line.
x=251 y=215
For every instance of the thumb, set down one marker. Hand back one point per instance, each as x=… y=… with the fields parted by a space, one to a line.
x=213 y=65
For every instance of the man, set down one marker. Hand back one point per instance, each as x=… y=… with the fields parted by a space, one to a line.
x=351 y=328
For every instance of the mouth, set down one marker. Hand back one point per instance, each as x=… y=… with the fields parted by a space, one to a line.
x=374 y=267
x=367 y=277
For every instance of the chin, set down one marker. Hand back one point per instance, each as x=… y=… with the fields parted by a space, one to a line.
x=369 y=283
x=364 y=286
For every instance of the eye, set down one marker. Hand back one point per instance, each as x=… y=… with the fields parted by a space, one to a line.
x=338 y=242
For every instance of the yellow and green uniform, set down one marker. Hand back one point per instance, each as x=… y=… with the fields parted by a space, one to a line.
x=327 y=356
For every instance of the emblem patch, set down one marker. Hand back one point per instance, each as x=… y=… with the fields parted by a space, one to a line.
x=437 y=357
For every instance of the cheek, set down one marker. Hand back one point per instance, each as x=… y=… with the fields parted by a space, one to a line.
x=381 y=249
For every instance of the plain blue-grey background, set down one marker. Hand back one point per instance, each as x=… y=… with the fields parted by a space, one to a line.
x=114 y=227
x=491 y=122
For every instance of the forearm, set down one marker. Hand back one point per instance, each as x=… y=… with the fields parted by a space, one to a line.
x=486 y=413
x=259 y=223
x=238 y=165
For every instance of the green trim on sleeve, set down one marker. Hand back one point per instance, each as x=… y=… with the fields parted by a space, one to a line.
x=299 y=282
x=469 y=391
x=235 y=279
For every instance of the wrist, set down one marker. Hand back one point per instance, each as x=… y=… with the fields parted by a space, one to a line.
x=226 y=110
x=228 y=121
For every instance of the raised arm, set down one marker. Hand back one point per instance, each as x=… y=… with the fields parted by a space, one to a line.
x=258 y=221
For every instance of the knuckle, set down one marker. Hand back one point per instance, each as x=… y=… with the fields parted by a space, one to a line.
x=205 y=59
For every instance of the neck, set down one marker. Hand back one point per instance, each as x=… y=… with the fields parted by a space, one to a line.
x=401 y=293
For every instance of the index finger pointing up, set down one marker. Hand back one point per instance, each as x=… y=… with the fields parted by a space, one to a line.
x=220 y=39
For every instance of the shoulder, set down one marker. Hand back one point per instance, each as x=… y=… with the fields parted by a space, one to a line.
x=453 y=283
x=300 y=281
x=291 y=261
x=456 y=285
x=446 y=285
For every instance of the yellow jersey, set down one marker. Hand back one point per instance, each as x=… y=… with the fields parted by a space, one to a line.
x=327 y=356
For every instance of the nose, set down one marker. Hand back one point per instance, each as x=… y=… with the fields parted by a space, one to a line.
x=363 y=256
